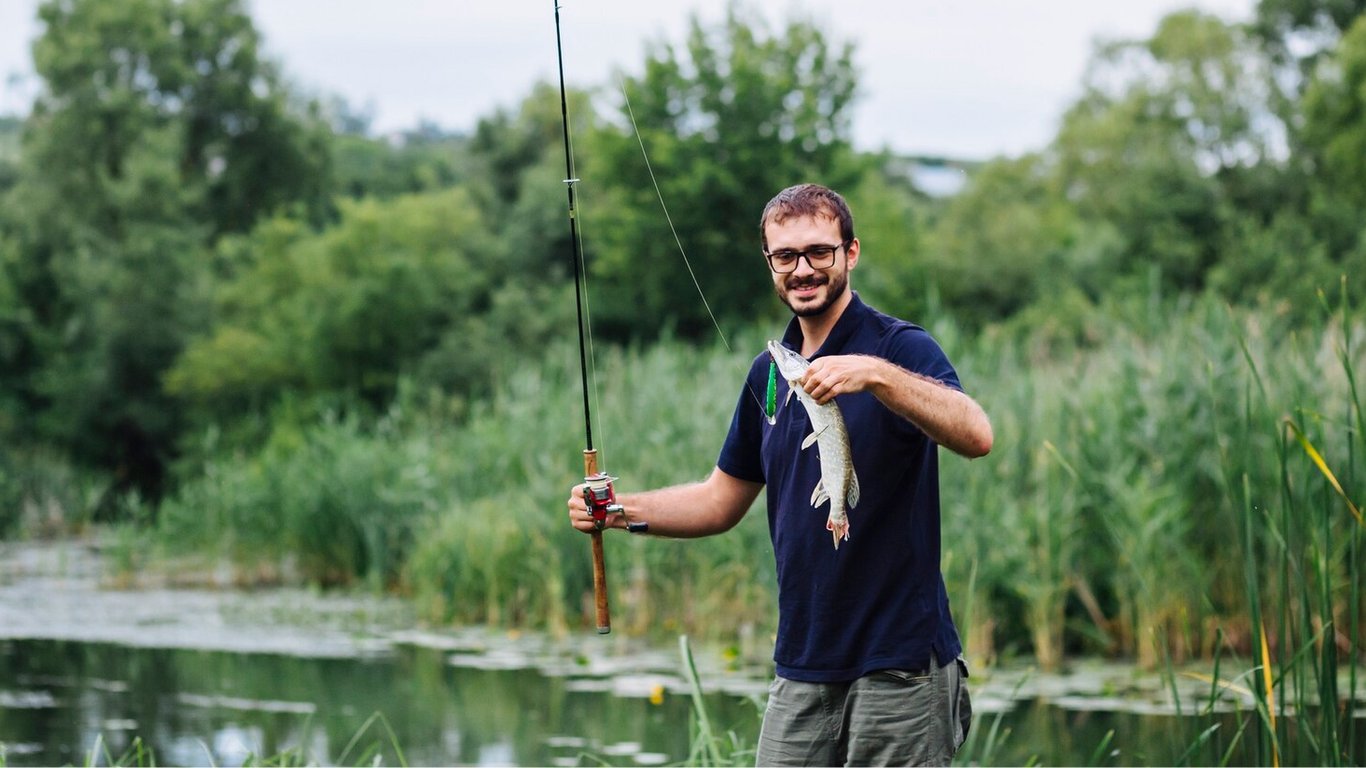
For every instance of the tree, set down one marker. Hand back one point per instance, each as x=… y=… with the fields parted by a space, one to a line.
x=417 y=161
x=1334 y=142
x=343 y=311
x=1166 y=134
x=1299 y=32
x=114 y=70
x=157 y=130
x=1335 y=118
x=1011 y=223
x=517 y=179
x=397 y=288
x=727 y=121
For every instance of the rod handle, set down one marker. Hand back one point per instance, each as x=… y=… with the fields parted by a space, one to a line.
x=600 y=586
x=604 y=612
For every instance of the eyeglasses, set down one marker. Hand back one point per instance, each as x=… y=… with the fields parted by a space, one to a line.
x=817 y=256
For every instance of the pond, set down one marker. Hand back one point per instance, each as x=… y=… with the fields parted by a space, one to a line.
x=63 y=701
x=223 y=677
x=217 y=676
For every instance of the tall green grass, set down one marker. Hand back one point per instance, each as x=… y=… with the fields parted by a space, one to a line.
x=468 y=514
x=1143 y=481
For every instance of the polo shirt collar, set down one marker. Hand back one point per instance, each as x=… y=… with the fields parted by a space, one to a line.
x=844 y=329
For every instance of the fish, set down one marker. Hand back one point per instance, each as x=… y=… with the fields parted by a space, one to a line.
x=839 y=482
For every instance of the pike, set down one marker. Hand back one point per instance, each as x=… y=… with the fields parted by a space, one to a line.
x=838 y=483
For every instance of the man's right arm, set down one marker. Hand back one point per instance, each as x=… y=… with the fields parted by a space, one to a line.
x=712 y=506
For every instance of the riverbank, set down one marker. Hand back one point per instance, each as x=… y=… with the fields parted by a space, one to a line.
x=66 y=590
x=62 y=590
x=229 y=650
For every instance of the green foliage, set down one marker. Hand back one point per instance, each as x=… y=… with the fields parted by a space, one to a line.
x=1263 y=275
x=1301 y=30
x=1011 y=223
x=342 y=500
x=1102 y=521
x=384 y=392
x=890 y=221
x=416 y=162
x=506 y=145
x=518 y=184
x=469 y=516
x=103 y=310
x=342 y=312
x=157 y=129
x=43 y=495
x=727 y=120
x=10 y=130
x=114 y=71
x=1118 y=478
x=471 y=563
x=1335 y=119
x=1141 y=156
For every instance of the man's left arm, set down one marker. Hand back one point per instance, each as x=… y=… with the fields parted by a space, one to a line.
x=949 y=417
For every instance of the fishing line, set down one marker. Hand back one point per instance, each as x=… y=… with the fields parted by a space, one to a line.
x=764 y=405
x=603 y=434
x=631 y=113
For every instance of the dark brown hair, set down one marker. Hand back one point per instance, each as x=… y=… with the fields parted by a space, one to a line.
x=804 y=200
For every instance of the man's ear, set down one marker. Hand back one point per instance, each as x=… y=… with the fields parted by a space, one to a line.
x=851 y=253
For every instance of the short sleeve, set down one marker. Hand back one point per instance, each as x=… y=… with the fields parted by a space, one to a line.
x=741 y=453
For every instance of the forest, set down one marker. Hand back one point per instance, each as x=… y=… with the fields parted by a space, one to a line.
x=236 y=326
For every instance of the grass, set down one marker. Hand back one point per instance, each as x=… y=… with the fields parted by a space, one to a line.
x=1188 y=490
x=363 y=749
x=1140 y=488
x=709 y=748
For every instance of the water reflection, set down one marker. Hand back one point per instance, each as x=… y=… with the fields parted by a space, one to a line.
x=525 y=702
x=60 y=701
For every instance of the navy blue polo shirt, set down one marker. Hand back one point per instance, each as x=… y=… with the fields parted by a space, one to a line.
x=878 y=602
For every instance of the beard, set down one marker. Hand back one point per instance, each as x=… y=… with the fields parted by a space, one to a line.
x=835 y=286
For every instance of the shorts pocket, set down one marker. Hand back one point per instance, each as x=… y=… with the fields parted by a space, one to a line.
x=908 y=676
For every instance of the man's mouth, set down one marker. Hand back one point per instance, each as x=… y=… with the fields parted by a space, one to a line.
x=804 y=286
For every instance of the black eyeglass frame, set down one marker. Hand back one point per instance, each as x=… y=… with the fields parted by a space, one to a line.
x=807 y=254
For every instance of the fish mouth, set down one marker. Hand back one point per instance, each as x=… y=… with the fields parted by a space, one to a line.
x=787 y=361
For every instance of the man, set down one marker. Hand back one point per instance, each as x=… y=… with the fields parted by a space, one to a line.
x=867 y=656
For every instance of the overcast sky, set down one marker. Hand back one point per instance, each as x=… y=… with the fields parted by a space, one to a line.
x=964 y=78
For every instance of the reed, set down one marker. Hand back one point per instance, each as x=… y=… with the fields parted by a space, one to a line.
x=1302 y=554
x=1137 y=477
x=1127 y=458
x=468 y=514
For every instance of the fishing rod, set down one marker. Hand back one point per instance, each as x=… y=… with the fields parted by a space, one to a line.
x=598 y=493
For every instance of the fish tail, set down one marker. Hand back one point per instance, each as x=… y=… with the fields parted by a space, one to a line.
x=838 y=530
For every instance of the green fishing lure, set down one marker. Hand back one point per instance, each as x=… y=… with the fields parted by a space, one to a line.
x=771 y=400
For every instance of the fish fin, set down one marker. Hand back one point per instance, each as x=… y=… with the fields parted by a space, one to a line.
x=851 y=495
x=838 y=532
x=819 y=496
x=811 y=438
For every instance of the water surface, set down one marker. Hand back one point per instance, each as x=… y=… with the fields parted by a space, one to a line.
x=219 y=676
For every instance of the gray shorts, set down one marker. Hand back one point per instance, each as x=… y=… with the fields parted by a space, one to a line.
x=889 y=717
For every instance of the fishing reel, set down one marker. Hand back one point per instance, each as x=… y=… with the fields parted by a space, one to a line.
x=601 y=499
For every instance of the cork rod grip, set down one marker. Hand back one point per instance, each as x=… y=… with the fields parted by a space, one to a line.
x=590 y=468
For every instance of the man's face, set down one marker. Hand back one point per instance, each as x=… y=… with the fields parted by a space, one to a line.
x=809 y=292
